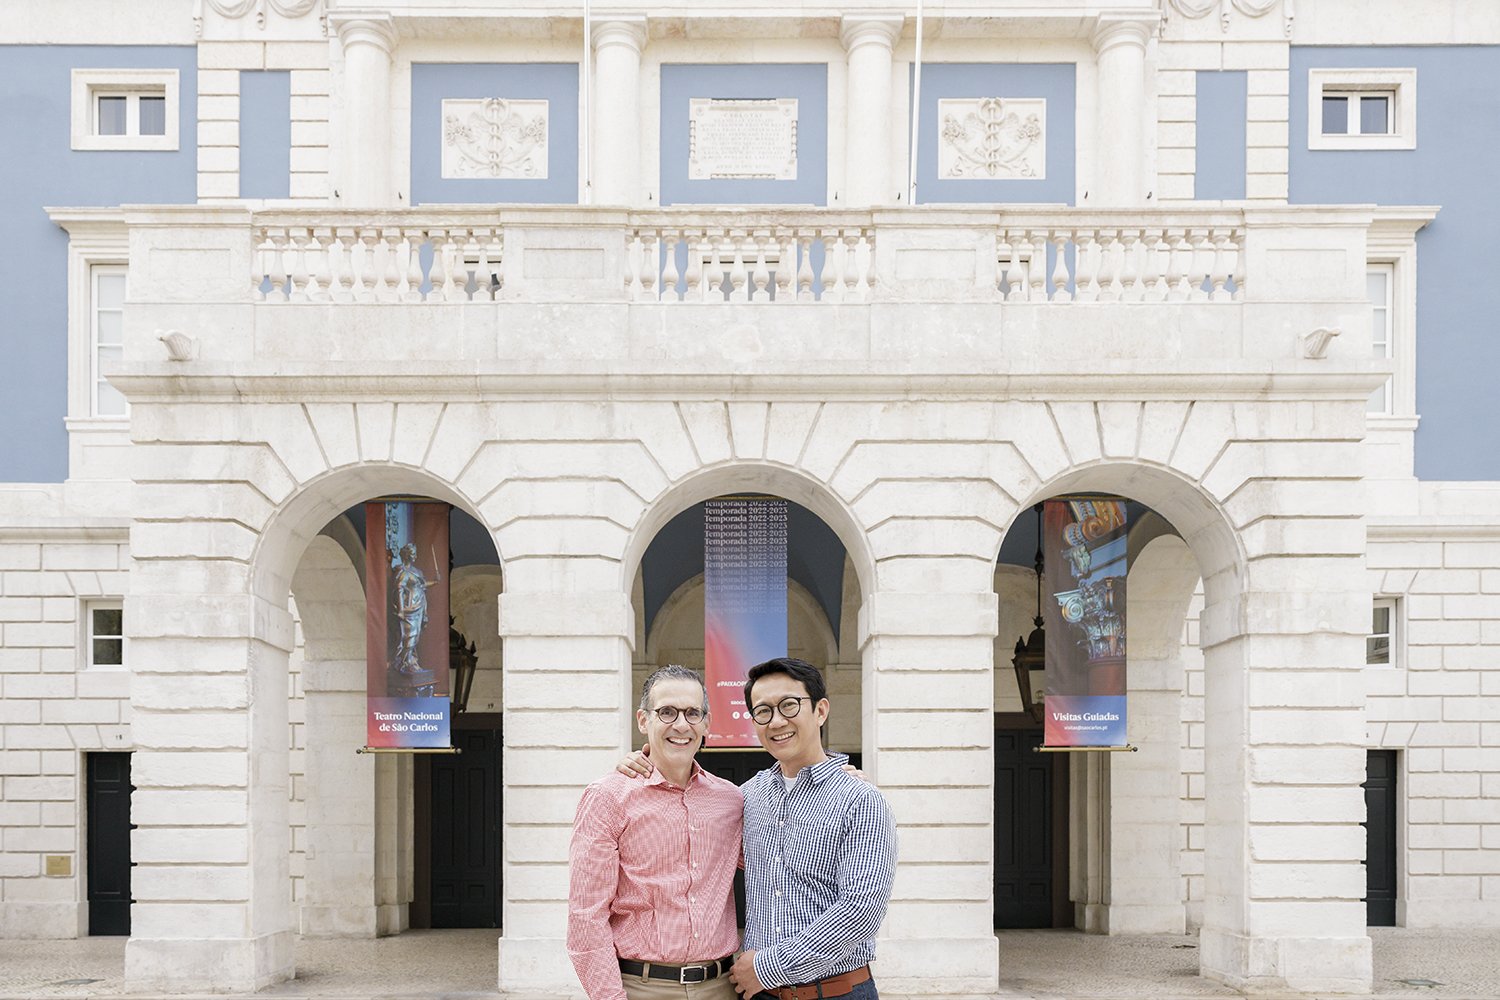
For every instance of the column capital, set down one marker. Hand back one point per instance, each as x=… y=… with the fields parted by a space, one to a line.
x=629 y=30
x=861 y=29
x=1116 y=29
x=365 y=28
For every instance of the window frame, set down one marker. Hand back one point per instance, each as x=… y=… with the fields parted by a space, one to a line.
x=1396 y=631
x=1388 y=269
x=1400 y=83
x=89 y=85
x=88 y=607
x=1392 y=241
x=95 y=271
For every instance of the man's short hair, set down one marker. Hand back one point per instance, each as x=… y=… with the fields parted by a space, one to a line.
x=798 y=670
x=672 y=672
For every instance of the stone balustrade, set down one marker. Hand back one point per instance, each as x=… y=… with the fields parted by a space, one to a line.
x=1054 y=255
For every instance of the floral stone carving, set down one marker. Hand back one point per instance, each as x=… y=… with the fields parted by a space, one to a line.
x=495 y=138
x=992 y=138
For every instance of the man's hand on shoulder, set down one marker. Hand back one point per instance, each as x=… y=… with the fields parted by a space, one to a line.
x=637 y=765
x=746 y=982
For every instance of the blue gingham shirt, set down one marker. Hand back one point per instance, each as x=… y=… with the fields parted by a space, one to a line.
x=819 y=860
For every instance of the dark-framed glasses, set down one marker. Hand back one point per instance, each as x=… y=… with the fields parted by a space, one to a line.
x=668 y=714
x=788 y=707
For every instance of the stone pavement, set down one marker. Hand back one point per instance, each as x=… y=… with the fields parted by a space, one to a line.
x=1042 y=965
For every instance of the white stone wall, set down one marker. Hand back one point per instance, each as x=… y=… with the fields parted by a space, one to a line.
x=52 y=710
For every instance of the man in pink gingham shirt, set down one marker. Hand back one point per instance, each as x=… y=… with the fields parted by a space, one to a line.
x=651 y=867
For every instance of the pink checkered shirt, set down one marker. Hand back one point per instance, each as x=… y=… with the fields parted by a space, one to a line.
x=651 y=875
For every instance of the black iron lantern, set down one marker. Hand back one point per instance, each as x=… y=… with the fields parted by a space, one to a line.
x=462 y=662
x=1030 y=659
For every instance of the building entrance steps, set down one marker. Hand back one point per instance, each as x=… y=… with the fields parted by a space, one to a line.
x=1039 y=964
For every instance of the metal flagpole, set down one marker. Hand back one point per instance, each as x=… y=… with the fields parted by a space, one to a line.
x=916 y=113
x=588 y=105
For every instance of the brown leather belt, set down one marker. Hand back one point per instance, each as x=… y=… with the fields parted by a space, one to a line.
x=833 y=986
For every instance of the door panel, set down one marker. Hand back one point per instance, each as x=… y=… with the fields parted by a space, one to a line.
x=108 y=840
x=1023 y=831
x=466 y=829
x=1380 y=838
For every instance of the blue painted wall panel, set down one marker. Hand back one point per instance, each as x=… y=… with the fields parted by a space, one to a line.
x=39 y=168
x=1056 y=82
x=807 y=82
x=266 y=134
x=1223 y=111
x=556 y=83
x=1454 y=165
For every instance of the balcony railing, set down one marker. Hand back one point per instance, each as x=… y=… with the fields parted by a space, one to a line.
x=1053 y=256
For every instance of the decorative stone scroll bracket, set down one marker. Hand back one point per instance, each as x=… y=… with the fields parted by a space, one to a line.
x=236 y=9
x=1196 y=9
x=1315 y=344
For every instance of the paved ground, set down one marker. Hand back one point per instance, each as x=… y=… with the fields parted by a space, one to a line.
x=1044 y=965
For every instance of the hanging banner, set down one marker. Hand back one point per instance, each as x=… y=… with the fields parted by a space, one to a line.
x=406 y=624
x=744 y=606
x=1084 y=542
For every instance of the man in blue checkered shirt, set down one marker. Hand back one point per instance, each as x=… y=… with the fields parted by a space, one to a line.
x=820 y=851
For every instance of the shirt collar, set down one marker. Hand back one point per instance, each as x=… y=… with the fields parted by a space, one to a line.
x=657 y=778
x=832 y=764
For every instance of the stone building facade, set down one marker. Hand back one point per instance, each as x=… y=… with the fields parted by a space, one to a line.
x=282 y=258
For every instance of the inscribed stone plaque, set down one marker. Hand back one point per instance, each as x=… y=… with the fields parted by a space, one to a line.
x=992 y=138
x=747 y=138
x=496 y=138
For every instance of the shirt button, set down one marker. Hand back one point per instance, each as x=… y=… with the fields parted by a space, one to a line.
x=695 y=864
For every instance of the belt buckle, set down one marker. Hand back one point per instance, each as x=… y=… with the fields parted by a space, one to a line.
x=683 y=980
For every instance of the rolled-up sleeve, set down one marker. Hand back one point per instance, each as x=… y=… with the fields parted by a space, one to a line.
x=593 y=874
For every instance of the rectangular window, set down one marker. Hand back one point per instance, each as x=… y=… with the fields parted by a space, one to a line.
x=129 y=109
x=1380 y=280
x=1357 y=113
x=106 y=634
x=1379 y=644
x=1362 y=108
x=107 y=338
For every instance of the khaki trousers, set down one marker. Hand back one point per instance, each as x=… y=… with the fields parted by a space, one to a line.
x=637 y=988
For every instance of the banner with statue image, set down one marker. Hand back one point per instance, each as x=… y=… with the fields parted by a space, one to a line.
x=1084 y=545
x=406 y=624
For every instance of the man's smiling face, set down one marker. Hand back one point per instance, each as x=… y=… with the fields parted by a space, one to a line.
x=678 y=740
x=795 y=742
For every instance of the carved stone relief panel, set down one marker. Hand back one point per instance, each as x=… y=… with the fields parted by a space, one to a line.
x=750 y=138
x=992 y=138
x=495 y=138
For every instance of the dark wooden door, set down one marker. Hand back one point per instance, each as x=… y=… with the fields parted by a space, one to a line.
x=1023 y=831
x=108 y=842
x=466 y=827
x=1380 y=838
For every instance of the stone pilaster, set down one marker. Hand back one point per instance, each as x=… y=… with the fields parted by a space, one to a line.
x=365 y=179
x=868 y=38
x=1120 y=138
x=616 y=167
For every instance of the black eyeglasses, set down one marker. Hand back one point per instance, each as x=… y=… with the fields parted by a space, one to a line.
x=789 y=707
x=668 y=714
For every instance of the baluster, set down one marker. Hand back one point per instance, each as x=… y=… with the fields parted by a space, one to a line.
x=695 y=253
x=1037 y=272
x=632 y=267
x=1198 y=264
x=786 y=268
x=362 y=265
x=1151 y=267
x=276 y=264
x=739 y=275
x=386 y=272
x=340 y=264
x=851 y=267
x=258 y=267
x=1002 y=262
x=1177 y=267
x=1238 y=270
x=1220 y=273
x=1109 y=266
x=320 y=279
x=414 y=241
x=297 y=253
x=669 y=268
x=713 y=280
x=1086 y=281
x=1133 y=289
x=484 y=288
x=444 y=288
x=761 y=275
x=833 y=288
x=868 y=236
x=648 y=267
x=1015 y=273
x=1060 y=267
x=497 y=241
x=805 y=269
